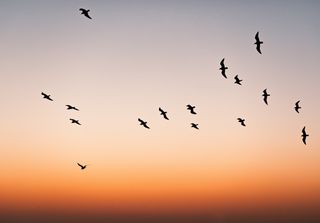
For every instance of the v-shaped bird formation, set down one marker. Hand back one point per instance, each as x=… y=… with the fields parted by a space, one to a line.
x=191 y=108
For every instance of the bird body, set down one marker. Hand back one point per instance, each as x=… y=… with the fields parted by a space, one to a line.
x=241 y=121
x=191 y=108
x=69 y=107
x=258 y=43
x=46 y=96
x=82 y=166
x=163 y=113
x=237 y=80
x=265 y=96
x=193 y=125
x=85 y=12
x=75 y=121
x=223 y=68
x=143 y=123
x=304 y=135
x=297 y=106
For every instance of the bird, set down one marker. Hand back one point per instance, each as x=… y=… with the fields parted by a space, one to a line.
x=143 y=123
x=241 y=121
x=164 y=113
x=238 y=81
x=46 y=96
x=258 y=42
x=191 y=108
x=85 y=12
x=82 y=166
x=75 y=121
x=223 y=68
x=70 y=107
x=304 y=135
x=265 y=96
x=193 y=125
x=297 y=107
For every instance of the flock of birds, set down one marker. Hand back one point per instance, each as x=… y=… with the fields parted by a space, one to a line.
x=191 y=108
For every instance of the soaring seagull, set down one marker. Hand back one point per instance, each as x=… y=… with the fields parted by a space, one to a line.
x=70 y=107
x=85 y=12
x=143 y=123
x=238 y=81
x=265 y=96
x=191 y=108
x=223 y=68
x=82 y=166
x=75 y=121
x=193 y=125
x=241 y=121
x=297 y=107
x=163 y=113
x=46 y=96
x=304 y=135
x=258 y=42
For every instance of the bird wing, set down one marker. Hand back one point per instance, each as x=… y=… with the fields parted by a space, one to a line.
x=165 y=116
x=223 y=72
x=257 y=37
x=222 y=63
x=87 y=15
x=304 y=131
x=80 y=165
x=265 y=99
x=258 y=48
x=140 y=120
x=161 y=110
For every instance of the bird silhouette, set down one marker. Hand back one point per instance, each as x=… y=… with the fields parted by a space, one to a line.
x=191 y=108
x=82 y=166
x=223 y=68
x=238 y=81
x=85 y=12
x=297 y=107
x=143 y=123
x=265 y=96
x=193 y=125
x=75 y=121
x=241 y=121
x=70 y=107
x=163 y=113
x=304 y=135
x=258 y=42
x=46 y=96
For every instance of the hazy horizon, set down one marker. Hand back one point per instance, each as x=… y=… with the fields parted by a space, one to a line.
x=132 y=58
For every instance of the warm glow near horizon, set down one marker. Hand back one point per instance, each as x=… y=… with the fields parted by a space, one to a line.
x=134 y=57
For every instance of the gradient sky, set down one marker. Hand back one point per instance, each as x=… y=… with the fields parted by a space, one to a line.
x=133 y=57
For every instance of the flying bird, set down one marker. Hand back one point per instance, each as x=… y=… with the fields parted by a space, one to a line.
x=85 y=12
x=304 y=135
x=265 y=96
x=46 y=96
x=238 y=81
x=297 y=107
x=193 y=125
x=223 y=68
x=143 y=123
x=241 y=121
x=191 y=108
x=82 y=166
x=258 y=42
x=70 y=107
x=164 y=113
x=75 y=121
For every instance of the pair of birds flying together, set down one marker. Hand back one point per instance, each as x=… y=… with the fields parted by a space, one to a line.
x=69 y=107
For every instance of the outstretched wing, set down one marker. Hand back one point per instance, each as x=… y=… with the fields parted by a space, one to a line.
x=80 y=165
x=161 y=110
x=257 y=37
x=258 y=48
x=222 y=63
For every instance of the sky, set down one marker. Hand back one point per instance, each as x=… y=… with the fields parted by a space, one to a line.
x=132 y=58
